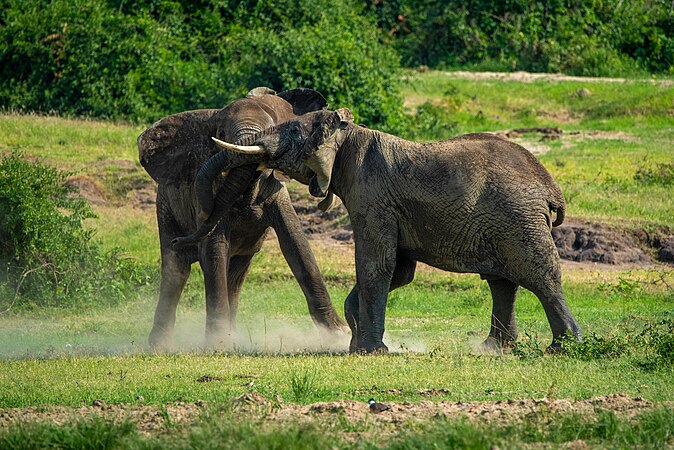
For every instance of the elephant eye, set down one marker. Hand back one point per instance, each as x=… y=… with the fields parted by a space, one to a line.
x=296 y=131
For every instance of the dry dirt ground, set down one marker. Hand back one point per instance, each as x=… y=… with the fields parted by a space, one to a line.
x=157 y=418
x=528 y=77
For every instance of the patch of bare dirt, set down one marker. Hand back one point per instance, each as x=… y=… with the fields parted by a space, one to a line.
x=89 y=189
x=504 y=411
x=149 y=419
x=156 y=418
x=583 y=242
x=528 y=77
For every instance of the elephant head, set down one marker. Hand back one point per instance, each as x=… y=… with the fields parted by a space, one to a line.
x=183 y=141
x=304 y=149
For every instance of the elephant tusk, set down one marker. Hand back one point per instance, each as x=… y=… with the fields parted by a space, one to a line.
x=245 y=149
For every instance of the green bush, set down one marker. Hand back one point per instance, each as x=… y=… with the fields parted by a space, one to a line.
x=596 y=347
x=47 y=258
x=659 y=336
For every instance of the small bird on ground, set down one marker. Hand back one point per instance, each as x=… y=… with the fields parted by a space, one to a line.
x=377 y=407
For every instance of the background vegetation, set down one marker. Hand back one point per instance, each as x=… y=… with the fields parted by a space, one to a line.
x=143 y=59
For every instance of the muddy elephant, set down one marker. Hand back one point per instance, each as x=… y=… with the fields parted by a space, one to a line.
x=172 y=151
x=476 y=203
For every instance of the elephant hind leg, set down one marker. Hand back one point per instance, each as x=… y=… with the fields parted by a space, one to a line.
x=562 y=322
x=533 y=262
x=503 y=325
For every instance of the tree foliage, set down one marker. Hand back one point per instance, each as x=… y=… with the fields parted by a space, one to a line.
x=144 y=59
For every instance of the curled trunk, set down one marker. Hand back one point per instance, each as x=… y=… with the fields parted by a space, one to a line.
x=238 y=179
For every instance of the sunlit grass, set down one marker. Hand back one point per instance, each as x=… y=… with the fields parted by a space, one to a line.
x=73 y=144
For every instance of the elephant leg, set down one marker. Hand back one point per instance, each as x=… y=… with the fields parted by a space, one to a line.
x=562 y=322
x=174 y=274
x=298 y=254
x=238 y=269
x=503 y=325
x=402 y=275
x=352 y=314
x=214 y=261
x=376 y=246
x=538 y=269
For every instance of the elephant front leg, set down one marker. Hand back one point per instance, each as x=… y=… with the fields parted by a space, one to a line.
x=238 y=269
x=375 y=265
x=214 y=261
x=503 y=325
x=402 y=275
x=302 y=263
x=174 y=274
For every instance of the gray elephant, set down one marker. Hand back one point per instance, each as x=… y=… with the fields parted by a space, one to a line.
x=476 y=203
x=172 y=151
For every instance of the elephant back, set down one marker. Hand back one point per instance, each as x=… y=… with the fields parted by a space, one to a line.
x=173 y=149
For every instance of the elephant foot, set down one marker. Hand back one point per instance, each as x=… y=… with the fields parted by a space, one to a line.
x=160 y=341
x=496 y=345
x=557 y=345
x=379 y=349
x=219 y=341
x=491 y=345
x=334 y=323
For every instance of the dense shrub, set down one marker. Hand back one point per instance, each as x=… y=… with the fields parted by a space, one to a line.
x=328 y=46
x=46 y=256
x=85 y=58
x=596 y=38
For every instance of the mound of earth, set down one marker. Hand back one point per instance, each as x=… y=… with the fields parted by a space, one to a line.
x=597 y=243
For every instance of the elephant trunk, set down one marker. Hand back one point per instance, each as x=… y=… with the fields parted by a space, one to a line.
x=203 y=183
x=238 y=179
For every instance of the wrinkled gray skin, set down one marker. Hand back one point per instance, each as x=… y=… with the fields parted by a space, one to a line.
x=476 y=203
x=172 y=151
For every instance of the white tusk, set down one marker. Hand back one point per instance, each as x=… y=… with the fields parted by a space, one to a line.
x=245 y=149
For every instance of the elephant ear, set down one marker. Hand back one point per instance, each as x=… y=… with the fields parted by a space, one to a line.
x=321 y=148
x=304 y=100
x=173 y=149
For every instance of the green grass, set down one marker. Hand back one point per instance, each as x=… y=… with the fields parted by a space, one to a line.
x=434 y=326
x=69 y=143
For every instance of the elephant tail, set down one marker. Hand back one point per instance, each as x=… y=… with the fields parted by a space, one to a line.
x=557 y=204
x=560 y=210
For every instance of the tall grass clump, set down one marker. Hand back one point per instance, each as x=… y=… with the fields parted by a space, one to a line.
x=47 y=257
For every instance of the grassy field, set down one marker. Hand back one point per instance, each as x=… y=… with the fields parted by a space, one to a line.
x=614 y=161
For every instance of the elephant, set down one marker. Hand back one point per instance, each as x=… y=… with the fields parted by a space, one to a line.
x=172 y=151
x=476 y=203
